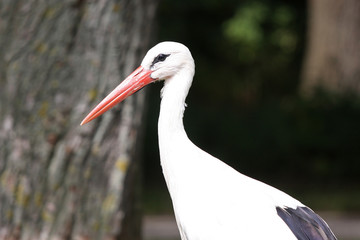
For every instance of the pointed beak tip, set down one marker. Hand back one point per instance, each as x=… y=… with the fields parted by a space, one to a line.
x=84 y=121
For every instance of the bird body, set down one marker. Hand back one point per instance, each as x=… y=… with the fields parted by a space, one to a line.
x=207 y=206
x=211 y=200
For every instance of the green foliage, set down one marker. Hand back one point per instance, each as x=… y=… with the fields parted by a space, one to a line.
x=245 y=29
x=258 y=26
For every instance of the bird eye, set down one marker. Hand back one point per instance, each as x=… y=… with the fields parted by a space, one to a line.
x=160 y=58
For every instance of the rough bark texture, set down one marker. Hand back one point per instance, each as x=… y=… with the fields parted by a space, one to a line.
x=57 y=60
x=332 y=59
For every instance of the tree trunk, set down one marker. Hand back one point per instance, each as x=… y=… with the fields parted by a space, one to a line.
x=57 y=60
x=332 y=59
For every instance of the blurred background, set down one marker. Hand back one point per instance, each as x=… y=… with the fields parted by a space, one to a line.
x=276 y=95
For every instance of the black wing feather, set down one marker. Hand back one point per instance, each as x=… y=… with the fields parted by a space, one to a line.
x=305 y=224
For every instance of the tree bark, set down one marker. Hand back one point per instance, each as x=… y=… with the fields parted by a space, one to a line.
x=57 y=60
x=332 y=59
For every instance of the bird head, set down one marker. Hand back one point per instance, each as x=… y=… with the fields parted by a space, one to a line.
x=166 y=59
x=160 y=63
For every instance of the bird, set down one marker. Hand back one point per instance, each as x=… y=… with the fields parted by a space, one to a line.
x=211 y=200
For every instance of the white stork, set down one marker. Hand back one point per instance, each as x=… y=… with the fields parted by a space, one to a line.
x=211 y=200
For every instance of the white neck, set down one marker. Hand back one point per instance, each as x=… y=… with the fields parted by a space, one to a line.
x=172 y=106
x=172 y=135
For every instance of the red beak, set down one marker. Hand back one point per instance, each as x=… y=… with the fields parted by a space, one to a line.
x=134 y=82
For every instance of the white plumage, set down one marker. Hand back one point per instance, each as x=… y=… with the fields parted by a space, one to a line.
x=211 y=200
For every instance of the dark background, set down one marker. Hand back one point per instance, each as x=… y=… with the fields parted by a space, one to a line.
x=245 y=106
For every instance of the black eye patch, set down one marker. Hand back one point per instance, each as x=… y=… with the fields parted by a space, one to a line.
x=159 y=58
